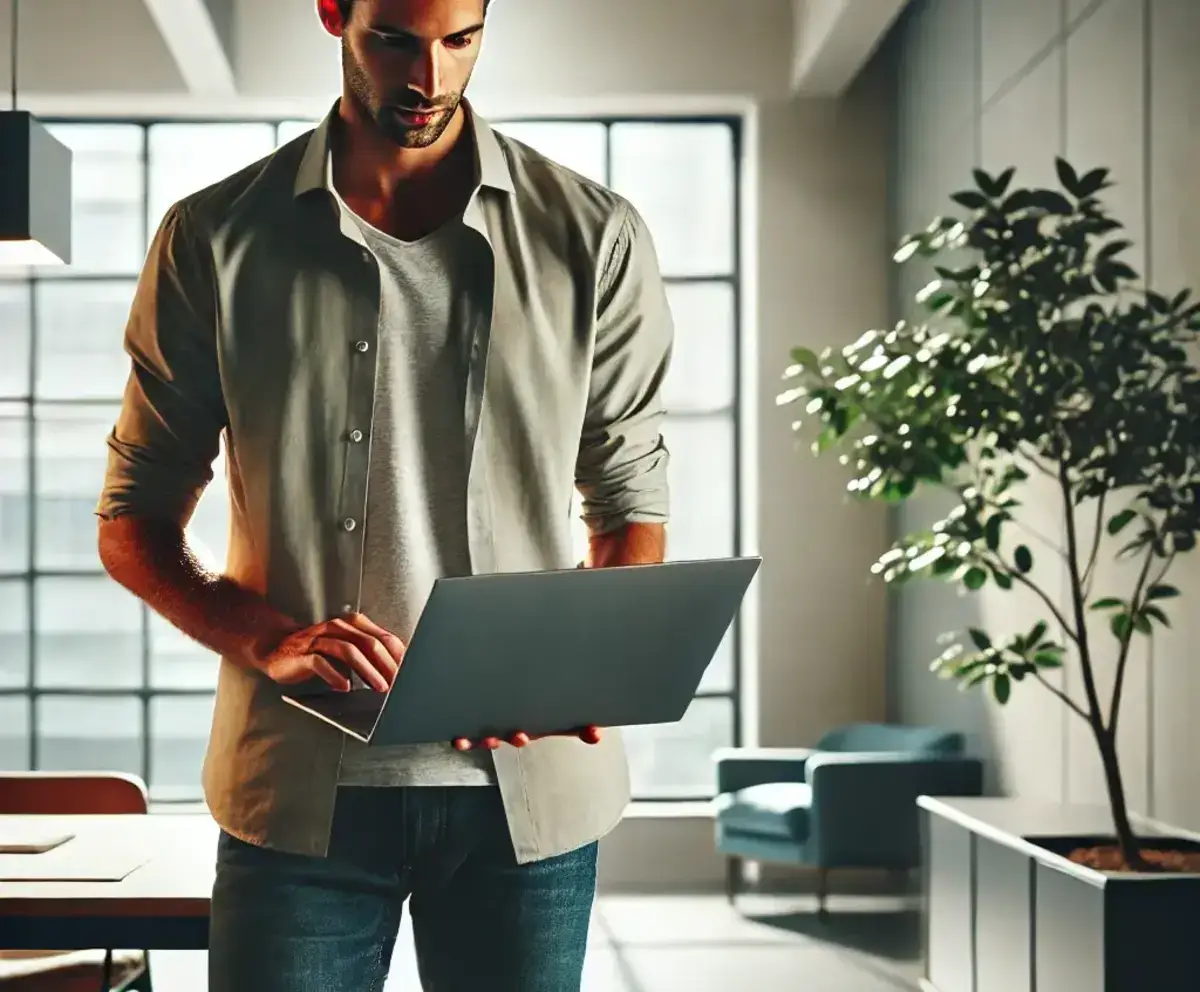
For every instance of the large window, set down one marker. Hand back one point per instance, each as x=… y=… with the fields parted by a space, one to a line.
x=89 y=678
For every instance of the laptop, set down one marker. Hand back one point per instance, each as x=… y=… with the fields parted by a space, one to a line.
x=548 y=652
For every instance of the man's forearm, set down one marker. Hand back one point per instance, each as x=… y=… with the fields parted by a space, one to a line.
x=633 y=544
x=151 y=559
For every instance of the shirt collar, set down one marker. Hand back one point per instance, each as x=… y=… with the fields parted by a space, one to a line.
x=314 y=171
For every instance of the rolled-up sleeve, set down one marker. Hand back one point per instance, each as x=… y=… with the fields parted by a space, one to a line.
x=167 y=435
x=621 y=471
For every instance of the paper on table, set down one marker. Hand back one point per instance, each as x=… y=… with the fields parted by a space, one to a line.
x=79 y=859
x=31 y=841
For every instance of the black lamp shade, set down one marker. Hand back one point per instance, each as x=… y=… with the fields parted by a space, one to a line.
x=35 y=193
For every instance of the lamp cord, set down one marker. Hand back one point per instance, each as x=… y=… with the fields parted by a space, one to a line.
x=13 y=41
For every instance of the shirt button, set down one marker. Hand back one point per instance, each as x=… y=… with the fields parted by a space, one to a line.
x=349 y=524
x=356 y=436
x=347 y=607
x=362 y=346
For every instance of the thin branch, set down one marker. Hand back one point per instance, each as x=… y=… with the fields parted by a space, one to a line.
x=1038 y=536
x=1162 y=572
x=1034 y=459
x=1089 y=573
x=1067 y=700
x=1135 y=607
x=1032 y=532
x=1096 y=718
x=998 y=565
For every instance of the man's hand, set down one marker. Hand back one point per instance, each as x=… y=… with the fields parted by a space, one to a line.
x=332 y=649
x=589 y=735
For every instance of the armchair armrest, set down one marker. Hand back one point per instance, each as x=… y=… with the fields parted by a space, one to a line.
x=864 y=811
x=743 y=767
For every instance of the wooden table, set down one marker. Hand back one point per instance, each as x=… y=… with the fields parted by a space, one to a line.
x=163 y=905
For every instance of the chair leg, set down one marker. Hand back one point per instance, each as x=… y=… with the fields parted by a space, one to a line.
x=733 y=878
x=822 y=891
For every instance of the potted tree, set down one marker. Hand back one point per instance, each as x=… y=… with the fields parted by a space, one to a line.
x=1039 y=354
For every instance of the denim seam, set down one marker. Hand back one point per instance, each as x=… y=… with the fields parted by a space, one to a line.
x=537 y=840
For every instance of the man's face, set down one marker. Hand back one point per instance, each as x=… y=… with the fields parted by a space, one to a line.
x=407 y=62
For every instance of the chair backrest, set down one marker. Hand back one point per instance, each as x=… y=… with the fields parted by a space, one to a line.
x=71 y=793
x=891 y=737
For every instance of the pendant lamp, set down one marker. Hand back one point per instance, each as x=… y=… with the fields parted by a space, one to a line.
x=35 y=185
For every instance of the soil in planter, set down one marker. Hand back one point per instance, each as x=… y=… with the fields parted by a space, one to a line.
x=1164 y=854
x=1109 y=858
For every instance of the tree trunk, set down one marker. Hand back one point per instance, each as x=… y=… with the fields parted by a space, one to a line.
x=1131 y=848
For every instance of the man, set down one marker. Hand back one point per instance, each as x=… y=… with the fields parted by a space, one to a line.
x=416 y=337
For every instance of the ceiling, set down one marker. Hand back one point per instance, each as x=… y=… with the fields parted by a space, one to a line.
x=249 y=56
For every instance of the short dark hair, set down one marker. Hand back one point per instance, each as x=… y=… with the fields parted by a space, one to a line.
x=345 y=6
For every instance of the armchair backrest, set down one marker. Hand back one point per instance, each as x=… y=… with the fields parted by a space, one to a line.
x=891 y=737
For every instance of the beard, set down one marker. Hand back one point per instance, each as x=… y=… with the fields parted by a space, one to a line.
x=387 y=113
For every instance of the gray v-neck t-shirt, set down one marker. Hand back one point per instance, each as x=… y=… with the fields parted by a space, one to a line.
x=416 y=523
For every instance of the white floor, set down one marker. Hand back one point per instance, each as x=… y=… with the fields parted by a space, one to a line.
x=698 y=943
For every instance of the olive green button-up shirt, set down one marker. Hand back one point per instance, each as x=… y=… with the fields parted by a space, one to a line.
x=256 y=319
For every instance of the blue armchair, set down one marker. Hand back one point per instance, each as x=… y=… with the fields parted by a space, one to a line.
x=850 y=802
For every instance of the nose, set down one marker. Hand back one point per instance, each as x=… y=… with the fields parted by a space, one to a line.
x=427 y=73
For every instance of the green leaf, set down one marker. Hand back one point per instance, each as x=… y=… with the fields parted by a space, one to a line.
x=944 y=566
x=1108 y=603
x=826 y=440
x=806 y=359
x=1154 y=613
x=1023 y=559
x=1122 y=626
x=909 y=247
x=1051 y=202
x=1001 y=688
x=1067 y=175
x=970 y=199
x=1037 y=633
x=1091 y=183
x=1119 y=521
x=1136 y=544
x=1000 y=185
x=1142 y=624
x=1112 y=249
x=970 y=665
x=977 y=676
x=975 y=578
x=1048 y=659
x=991 y=531
x=1002 y=579
x=982 y=641
x=1162 y=592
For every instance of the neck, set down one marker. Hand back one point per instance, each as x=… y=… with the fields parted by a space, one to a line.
x=365 y=161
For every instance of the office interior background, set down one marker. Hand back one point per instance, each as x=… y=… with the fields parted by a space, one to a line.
x=777 y=149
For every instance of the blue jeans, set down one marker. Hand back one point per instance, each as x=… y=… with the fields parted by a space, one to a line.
x=293 y=923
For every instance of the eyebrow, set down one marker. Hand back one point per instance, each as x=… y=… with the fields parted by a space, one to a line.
x=389 y=32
